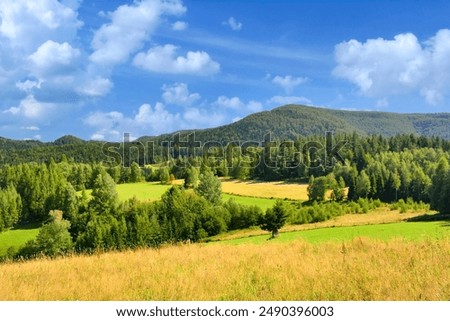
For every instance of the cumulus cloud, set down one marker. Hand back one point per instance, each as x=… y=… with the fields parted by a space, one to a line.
x=288 y=83
x=96 y=87
x=381 y=68
x=31 y=108
x=236 y=104
x=229 y=103
x=158 y=119
x=178 y=94
x=179 y=25
x=286 y=100
x=233 y=24
x=163 y=59
x=130 y=26
x=27 y=23
x=150 y=120
x=52 y=57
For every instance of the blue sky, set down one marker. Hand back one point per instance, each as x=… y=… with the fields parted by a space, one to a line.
x=97 y=69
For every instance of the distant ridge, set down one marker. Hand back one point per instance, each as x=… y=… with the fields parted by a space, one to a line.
x=291 y=121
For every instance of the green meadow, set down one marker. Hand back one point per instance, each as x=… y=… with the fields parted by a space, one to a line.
x=17 y=237
x=411 y=231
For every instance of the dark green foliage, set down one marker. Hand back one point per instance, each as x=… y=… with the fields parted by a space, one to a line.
x=274 y=219
x=319 y=212
x=242 y=216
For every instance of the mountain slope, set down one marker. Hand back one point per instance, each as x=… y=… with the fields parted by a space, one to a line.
x=295 y=120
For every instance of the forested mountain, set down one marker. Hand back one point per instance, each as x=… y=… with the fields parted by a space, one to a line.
x=292 y=121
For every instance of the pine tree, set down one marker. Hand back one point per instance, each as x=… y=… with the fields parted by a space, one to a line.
x=274 y=219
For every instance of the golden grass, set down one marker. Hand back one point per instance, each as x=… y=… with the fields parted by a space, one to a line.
x=280 y=190
x=358 y=270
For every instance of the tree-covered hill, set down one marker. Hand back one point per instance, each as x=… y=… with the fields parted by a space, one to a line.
x=289 y=121
x=292 y=121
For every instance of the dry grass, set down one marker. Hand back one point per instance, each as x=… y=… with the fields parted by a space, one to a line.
x=280 y=190
x=358 y=270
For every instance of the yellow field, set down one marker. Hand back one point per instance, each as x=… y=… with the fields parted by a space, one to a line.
x=358 y=270
x=266 y=189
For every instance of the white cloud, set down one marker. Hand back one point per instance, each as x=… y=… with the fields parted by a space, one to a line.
x=27 y=23
x=148 y=121
x=233 y=24
x=162 y=59
x=157 y=119
x=52 y=57
x=200 y=118
x=286 y=100
x=98 y=136
x=28 y=85
x=96 y=87
x=382 y=68
x=236 y=104
x=288 y=83
x=229 y=103
x=130 y=27
x=31 y=108
x=179 y=25
x=178 y=94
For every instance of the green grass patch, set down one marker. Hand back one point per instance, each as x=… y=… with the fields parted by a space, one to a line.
x=406 y=230
x=17 y=237
x=143 y=191
x=263 y=203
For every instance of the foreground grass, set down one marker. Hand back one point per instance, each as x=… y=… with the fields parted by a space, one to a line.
x=362 y=269
x=17 y=237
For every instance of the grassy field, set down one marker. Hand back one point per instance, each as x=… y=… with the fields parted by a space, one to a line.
x=143 y=191
x=263 y=203
x=362 y=269
x=154 y=190
x=411 y=231
x=17 y=237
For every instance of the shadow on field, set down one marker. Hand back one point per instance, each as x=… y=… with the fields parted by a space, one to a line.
x=445 y=218
x=27 y=226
